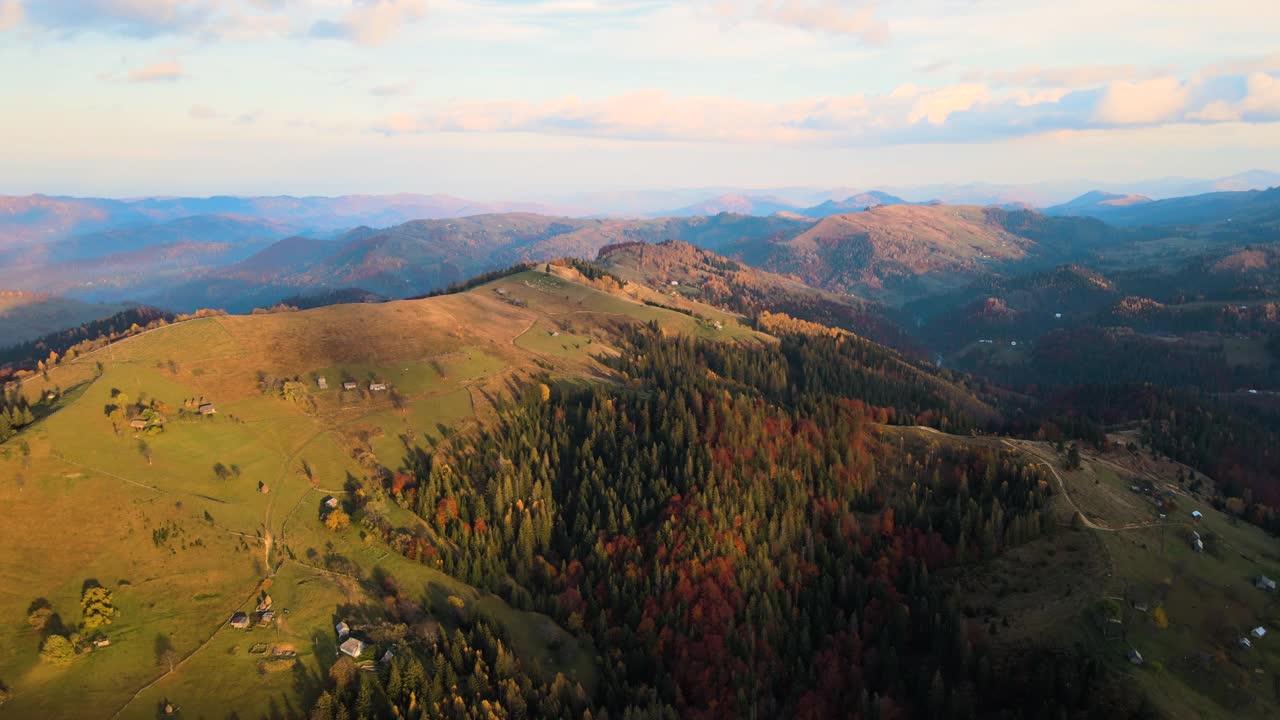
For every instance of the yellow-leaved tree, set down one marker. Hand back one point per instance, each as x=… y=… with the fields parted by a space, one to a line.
x=1160 y=617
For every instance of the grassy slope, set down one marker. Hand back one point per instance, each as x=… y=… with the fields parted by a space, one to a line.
x=1044 y=593
x=99 y=499
x=1209 y=597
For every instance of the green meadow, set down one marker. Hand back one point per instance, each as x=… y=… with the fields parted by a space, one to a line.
x=190 y=523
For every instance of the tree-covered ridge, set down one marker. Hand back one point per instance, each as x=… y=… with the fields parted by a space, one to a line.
x=83 y=338
x=737 y=537
x=749 y=291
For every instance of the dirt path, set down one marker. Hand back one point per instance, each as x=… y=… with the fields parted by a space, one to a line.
x=1062 y=484
x=184 y=660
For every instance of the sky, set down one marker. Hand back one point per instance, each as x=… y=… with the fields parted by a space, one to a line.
x=529 y=98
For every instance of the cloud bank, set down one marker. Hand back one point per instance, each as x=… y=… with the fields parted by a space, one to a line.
x=366 y=22
x=962 y=112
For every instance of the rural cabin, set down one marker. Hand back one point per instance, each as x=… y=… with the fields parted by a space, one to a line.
x=1258 y=632
x=1196 y=514
x=138 y=424
x=349 y=386
x=1134 y=656
x=377 y=387
x=352 y=647
x=342 y=629
x=1245 y=644
x=322 y=383
x=239 y=621
x=207 y=409
x=1196 y=542
x=266 y=617
x=331 y=502
x=1262 y=582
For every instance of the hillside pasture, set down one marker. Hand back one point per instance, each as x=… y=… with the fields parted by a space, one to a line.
x=183 y=545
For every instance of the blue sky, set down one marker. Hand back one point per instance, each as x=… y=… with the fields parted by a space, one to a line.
x=492 y=98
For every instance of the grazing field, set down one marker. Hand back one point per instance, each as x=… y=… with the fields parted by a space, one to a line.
x=193 y=517
x=1184 y=611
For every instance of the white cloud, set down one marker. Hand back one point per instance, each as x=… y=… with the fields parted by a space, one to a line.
x=203 y=112
x=1070 y=76
x=160 y=71
x=1263 y=98
x=1142 y=103
x=964 y=112
x=372 y=22
x=938 y=105
x=392 y=89
x=10 y=14
x=236 y=19
x=835 y=17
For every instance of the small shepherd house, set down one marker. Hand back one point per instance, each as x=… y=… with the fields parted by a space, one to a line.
x=352 y=647
x=1134 y=656
x=207 y=409
x=1262 y=582
x=322 y=382
x=342 y=629
x=138 y=424
x=1196 y=514
x=1258 y=632
x=331 y=502
x=239 y=621
x=377 y=387
x=349 y=385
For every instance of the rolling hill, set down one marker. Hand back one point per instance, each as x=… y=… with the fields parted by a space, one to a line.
x=889 y=253
x=678 y=271
x=1019 y=308
x=1095 y=203
x=31 y=219
x=213 y=229
x=424 y=255
x=1243 y=207
x=549 y=472
x=26 y=316
x=771 y=205
x=853 y=203
x=733 y=203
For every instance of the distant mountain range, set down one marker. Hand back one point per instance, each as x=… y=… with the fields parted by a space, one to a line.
x=1249 y=206
x=40 y=218
x=769 y=205
x=241 y=253
x=765 y=200
x=31 y=219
